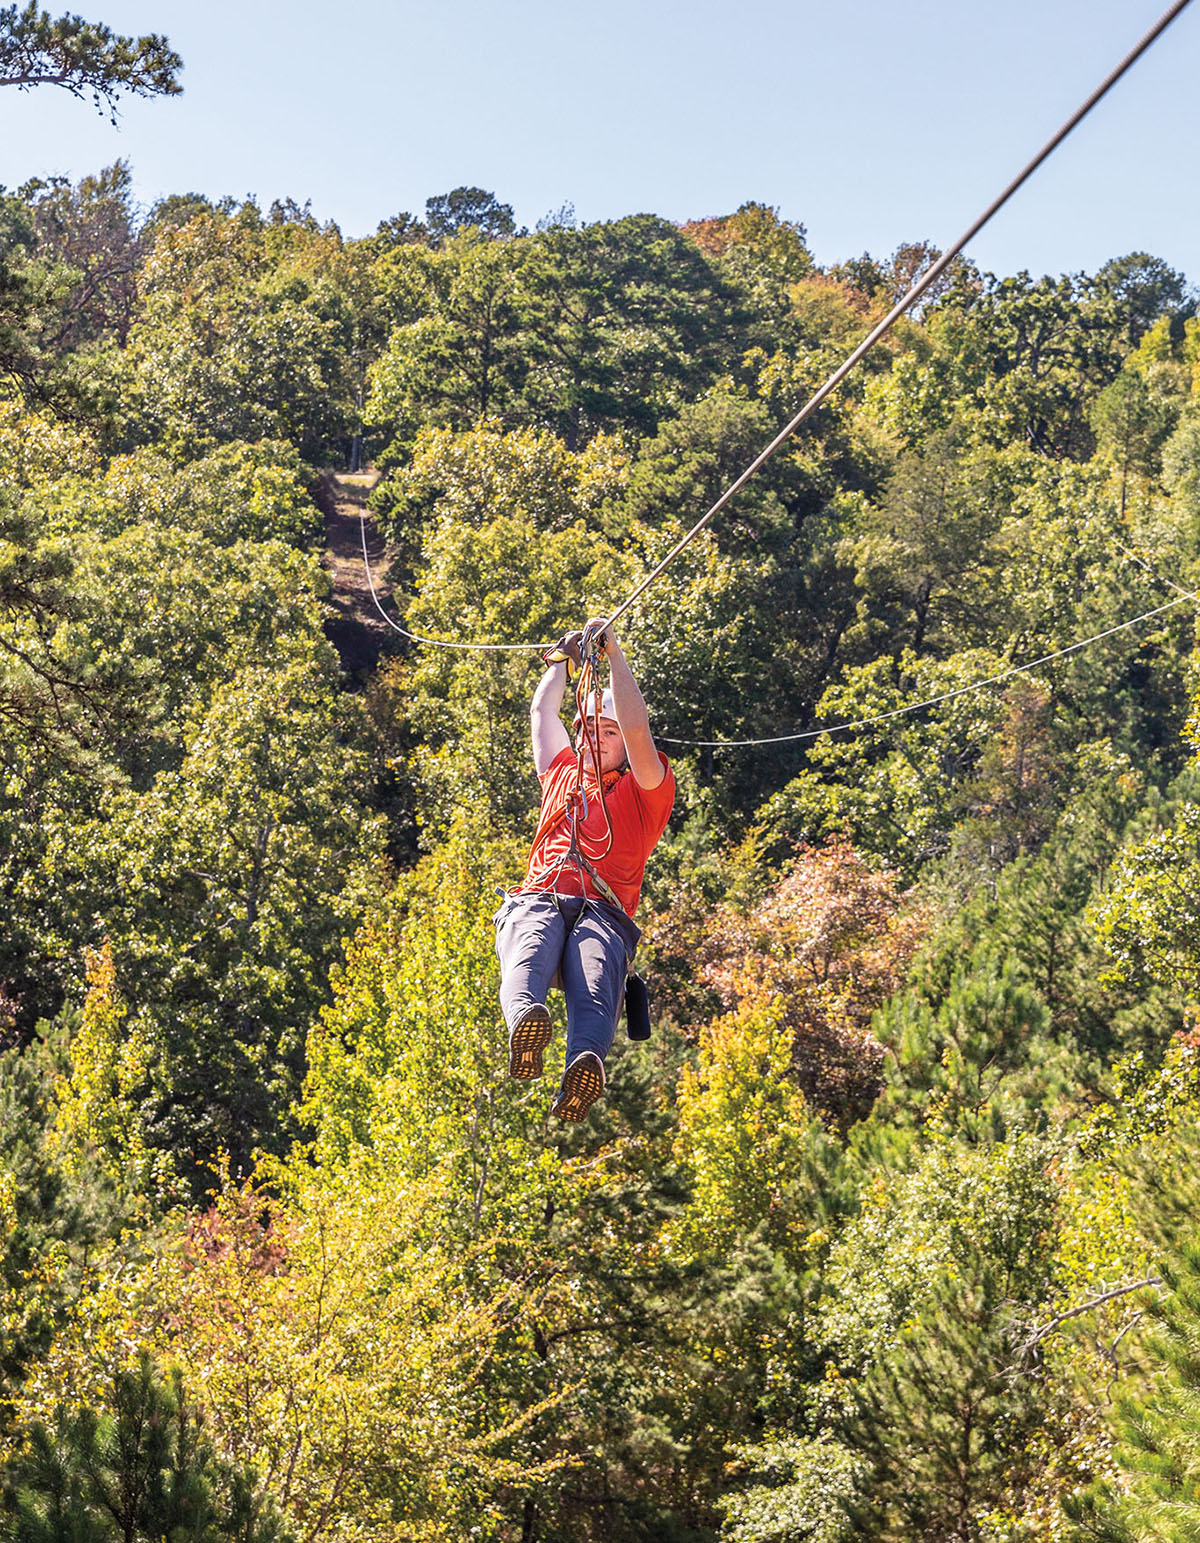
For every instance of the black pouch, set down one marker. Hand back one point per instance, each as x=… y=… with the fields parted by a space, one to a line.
x=637 y=1008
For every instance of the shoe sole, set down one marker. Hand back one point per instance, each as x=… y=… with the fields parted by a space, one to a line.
x=526 y=1043
x=582 y=1086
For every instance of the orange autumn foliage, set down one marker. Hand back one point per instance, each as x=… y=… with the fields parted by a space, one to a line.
x=828 y=945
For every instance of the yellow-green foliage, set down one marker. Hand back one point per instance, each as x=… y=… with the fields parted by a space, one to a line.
x=109 y=1061
x=526 y=474
x=37 y=448
x=409 y=1062
x=336 y=1348
x=1098 y=1237
x=955 y=1212
x=746 y=1135
x=412 y=1030
x=10 y=1308
x=1148 y=918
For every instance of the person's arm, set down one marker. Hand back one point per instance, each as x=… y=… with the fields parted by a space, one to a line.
x=644 y=762
x=550 y=738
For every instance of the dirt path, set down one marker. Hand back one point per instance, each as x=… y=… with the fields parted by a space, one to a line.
x=356 y=629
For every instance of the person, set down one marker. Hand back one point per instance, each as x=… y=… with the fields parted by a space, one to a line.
x=570 y=922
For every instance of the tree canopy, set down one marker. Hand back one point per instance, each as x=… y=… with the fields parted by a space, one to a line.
x=885 y=1234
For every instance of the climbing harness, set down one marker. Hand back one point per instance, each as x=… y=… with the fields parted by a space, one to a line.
x=584 y=853
x=588 y=698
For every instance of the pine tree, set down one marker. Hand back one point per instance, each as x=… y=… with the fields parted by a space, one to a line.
x=83 y=57
x=1158 y=1429
x=138 y=1472
x=942 y=1419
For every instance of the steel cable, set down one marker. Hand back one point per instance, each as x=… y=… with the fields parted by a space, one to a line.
x=913 y=295
x=416 y=637
x=815 y=401
x=945 y=696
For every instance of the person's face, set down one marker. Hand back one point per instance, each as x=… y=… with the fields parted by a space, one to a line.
x=612 y=745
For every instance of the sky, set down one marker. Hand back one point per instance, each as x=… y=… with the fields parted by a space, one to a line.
x=870 y=122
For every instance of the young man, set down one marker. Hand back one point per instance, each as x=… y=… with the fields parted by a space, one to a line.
x=570 y=922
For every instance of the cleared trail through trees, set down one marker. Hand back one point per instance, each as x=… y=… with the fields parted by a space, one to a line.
x=355 y=629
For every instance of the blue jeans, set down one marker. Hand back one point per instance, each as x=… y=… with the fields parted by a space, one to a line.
x=586 y=946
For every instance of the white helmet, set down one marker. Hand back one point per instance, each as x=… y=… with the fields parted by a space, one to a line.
x=608 y=707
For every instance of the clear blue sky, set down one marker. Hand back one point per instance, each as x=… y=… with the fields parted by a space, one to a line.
x=871 y=122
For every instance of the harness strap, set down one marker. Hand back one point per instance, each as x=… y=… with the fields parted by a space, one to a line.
x=587 y=688
x=579 y=859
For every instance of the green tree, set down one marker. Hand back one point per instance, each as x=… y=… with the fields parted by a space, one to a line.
x=1145 y=289
x=156 y=621
x=1030 y=355
x=1034 y=912
x=763 y=255
x=1181 y=468
x=348 y=1351
x=804 y=1493
x=981 y=1062
x=237 y=493
x=57 y=1207
x=243 y=332
x=946 y=1212
x=622 y=322
x=109 y=1065
x=142 y=1470
x=1149 y=919
x=1132 y=425
x=226 y=887
x=680 y=471
x=1153 y=1489
x=475 y=208
x=503 y=497
x=923 y=555
x=893 y=785
x=481 y=474
x=42 y=698
x=86 y=58
x=91 y=227
x=454 y=355
x=947 y=1430
x=34 y=296
x=922 y=1427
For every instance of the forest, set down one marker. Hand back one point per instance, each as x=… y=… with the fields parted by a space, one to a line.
x=887 y=1232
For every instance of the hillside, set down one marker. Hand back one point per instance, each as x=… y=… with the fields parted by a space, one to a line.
x=885 y=1233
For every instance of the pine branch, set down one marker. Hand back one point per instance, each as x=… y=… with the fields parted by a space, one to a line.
x=83 y=57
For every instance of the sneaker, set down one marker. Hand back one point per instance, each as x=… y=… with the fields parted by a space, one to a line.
x=582 y=1085
x=526 y=1041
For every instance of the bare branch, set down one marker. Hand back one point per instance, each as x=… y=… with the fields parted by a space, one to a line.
x=1038 y=1335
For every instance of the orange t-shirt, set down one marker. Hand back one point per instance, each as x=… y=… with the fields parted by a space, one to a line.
x=638 y=816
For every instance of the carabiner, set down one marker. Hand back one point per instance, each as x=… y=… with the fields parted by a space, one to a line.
x=592 y=641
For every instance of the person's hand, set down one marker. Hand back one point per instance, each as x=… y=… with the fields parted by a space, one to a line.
x=599 y=631
x=567 y=651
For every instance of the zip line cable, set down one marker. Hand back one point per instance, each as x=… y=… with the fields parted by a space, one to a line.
x=823 y=392
x=416 y=636
x=1153 y=572
x=914 y=294
x=945 y=696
